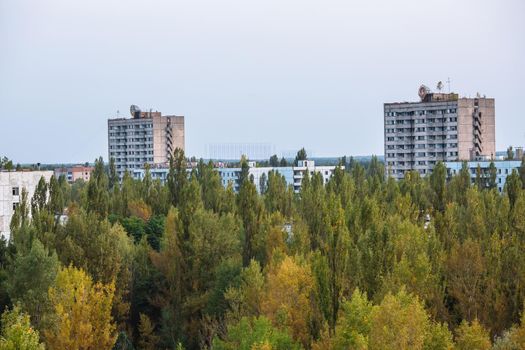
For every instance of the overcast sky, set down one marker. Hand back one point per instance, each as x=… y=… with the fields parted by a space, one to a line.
x=291 y=73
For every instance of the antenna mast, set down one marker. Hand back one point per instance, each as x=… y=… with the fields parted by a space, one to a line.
x=448 y=83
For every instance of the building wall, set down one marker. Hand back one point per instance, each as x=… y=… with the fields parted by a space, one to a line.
x=74 y=173
x=20 y=180
x=503 y=169
x=292 y=175
x=484 y=108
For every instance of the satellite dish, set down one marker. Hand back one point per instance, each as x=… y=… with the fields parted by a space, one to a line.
x=134 y=109
x=423 y=91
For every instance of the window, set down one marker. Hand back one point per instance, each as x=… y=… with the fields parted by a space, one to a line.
x=16 y=191
x=15 y=205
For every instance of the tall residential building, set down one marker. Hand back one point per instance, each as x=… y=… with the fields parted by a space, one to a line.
x=147 y=137
x=440 y=127
x=11 y=185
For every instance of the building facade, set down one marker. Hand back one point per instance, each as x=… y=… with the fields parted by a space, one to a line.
x=74 y=173
x=147 y=137
x=440 y=127
x=11 y=185
x=293 y=175
x=503 y=169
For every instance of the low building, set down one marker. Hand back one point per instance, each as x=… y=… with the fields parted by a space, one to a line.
x=293 y=174
x=503 y=169
x=75 y=173
x=11 y=185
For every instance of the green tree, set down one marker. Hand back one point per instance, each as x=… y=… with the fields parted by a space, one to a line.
x=493 y=174
x=17 y=333
x=301 y=155
x=148 y=340
x=250 y=212
x=30 y=279
x=274 y=161
x=97 y=195
x=513 y=187
x=253 y=334
x=353 y=326
x=177 y=176
x=472 y=336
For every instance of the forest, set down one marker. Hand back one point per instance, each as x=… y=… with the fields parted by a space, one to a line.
x=361 y=262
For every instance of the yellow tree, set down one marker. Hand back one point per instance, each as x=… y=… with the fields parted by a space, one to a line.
x=287 y=299
x=399 y=323
x=82 y=312
x=472 y=336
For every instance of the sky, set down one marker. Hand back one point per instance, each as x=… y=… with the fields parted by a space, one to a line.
x=290 y=73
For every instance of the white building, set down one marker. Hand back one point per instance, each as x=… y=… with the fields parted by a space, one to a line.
x=11 y=185
x=293 y=174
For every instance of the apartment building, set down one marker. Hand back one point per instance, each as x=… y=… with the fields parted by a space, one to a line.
x=440 y=127
x=146 y=137
x=11 y=185
x=74 y=173
x=293 y=174
x=503 y=169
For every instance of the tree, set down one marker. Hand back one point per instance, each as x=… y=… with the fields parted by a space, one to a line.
x=438 y=338
x=287 y=298
x=510 y=153
x=253 y=334
x=274 y=161
x=177 y=176
x=245 y=299
x=30 y=279
x=17 y=333
x=522 y=172
x=353 y=326
x=148 y=340
x=399 y=322
x=493 y=174
x=113 y=177
x=301 y=155
x=513 y=187
x=472 y=336
x=465 y=272
x=249 y=209
x=82 y=312
x=437 y=183
x=97 y=195
x=283 y=162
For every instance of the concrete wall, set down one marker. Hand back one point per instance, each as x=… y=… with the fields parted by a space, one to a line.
x=20 y=179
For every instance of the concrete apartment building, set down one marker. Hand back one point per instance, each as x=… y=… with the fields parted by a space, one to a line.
x=146 y=137
x=440 y=127
x=75 y=173
x=503 y=169
x=293 y=174
x=11 y=185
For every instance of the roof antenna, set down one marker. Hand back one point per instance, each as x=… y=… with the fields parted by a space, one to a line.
x=448 y=82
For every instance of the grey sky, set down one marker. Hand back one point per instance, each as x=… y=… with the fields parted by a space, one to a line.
x=288 y=72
